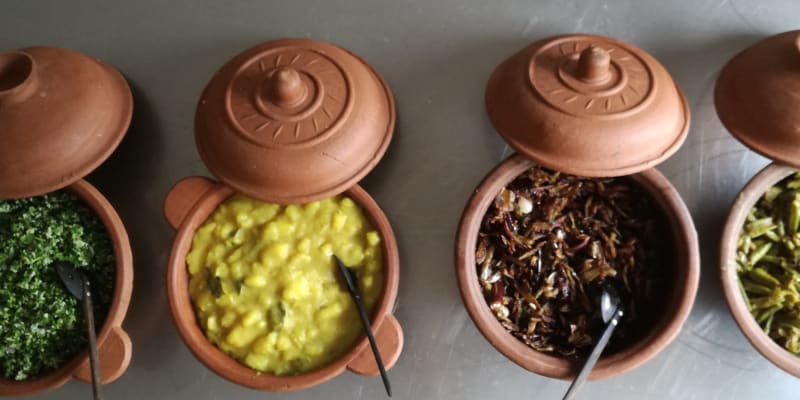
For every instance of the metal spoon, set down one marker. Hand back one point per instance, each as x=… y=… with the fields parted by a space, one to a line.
x=78 y=286
x=611 y=311
x=352 y=286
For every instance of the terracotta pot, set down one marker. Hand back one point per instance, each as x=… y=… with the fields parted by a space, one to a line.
x=187 y=206
x=63 y=113
x=114 y=345
x=686 y=272
x=746 y=199
x=596 y=107
x=288 y=121
x=756 y=99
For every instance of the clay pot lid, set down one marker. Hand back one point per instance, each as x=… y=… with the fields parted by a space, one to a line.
x=62 y=114
x=757 y=97
x=587 y=105
x=294 y=120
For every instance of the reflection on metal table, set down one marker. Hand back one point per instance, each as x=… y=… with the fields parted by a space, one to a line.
x=436 y=57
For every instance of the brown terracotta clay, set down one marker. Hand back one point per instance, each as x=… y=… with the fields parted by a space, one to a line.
x=587 y=105
x=390 y=340
x=62 y=114
x=289 y=121
x=746 y=199
x=114 y=345
x=294 y=120
x=757 y=100
x=201 y=197
x=591 y=106
x=679 y=303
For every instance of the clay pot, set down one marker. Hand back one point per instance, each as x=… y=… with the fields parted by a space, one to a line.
x=63 y=113
x=187 y=207
x=597 y=107
x=756 y=99
x=746 y=199
x=113 y=343
x=288 y=121
x=686 y=273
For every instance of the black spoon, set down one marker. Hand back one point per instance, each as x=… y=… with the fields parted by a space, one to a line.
x=78 y=286
x=352 y=286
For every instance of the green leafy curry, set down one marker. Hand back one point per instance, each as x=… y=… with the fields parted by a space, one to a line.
x=41 y=324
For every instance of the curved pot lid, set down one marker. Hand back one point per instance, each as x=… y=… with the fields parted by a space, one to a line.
x=294 y=120
x=62 y=114
x=587 y=105
x=757 y=97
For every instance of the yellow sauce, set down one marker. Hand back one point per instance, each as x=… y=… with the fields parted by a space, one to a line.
x=265 y=287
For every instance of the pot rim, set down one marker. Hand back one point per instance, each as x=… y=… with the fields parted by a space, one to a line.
x=666 y=328
x=123 y=288
x=745 y=200
x=226 y=366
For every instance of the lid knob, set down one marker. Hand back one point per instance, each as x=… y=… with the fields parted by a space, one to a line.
x=16 y=76
x=593 y=65
x=285 y=87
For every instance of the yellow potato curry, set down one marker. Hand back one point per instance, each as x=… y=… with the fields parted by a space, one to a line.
x=265 y=286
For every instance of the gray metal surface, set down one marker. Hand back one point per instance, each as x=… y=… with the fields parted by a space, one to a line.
x=436 y=55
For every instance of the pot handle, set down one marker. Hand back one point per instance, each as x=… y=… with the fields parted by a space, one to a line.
x=183 y=196
x=389 y=337
x=115 y=356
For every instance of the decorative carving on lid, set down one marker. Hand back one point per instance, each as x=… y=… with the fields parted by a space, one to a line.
x=289 y=97
x=585 y=78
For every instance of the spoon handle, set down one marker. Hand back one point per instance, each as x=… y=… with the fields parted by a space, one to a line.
x=593 y=357
x=94 y=362
x=352 y=286
x=362 y=312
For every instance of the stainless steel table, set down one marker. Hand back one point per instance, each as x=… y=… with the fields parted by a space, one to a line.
x=436 y=55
